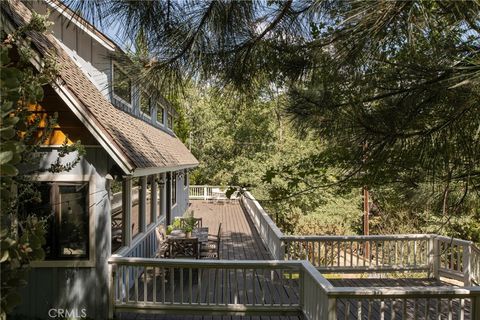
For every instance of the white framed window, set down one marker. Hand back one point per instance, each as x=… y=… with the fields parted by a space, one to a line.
x=160 y=114
x=68 y=209
x=144 y=104
x=170 y=121
x=122 y=85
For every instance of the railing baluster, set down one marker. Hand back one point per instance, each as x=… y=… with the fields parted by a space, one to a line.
x=382 y=309
x=190 y=285
x=181 y=285
x=450 y=308
x=135 y=269
x=154 y=285
x=145 y=285
x=172 y=287
x=162 y=284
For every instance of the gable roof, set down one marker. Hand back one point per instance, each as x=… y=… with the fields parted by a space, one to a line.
x=136 y=146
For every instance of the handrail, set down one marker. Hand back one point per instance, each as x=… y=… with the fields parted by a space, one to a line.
x=152 y=285
x=204 y=192
x=438 y=255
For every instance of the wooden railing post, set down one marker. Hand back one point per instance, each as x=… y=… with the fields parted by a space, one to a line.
x=205 y=193
x=127 y=212
x=111 y=291
x=332 y=308
x=433 y=258
x=467 y=265
x=475 y=307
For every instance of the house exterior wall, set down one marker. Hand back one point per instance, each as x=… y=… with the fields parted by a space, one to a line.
x=53 y=284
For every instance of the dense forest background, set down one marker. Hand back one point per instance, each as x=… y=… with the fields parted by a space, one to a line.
x=253 y=142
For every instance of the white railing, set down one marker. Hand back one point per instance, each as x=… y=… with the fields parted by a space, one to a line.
x=268 y=230
x=409 y=252
x=209 y=193
x=272 y=287
x=439 y=256
x=211 y=287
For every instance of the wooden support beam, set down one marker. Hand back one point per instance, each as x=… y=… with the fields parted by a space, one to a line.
x=142 y=204
x=154 y=198
x=127 y=211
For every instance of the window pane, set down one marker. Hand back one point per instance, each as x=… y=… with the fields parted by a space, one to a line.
x=122 y=86
x=185 y=178
x=73 y=221
x=160 y=114
x=145 y=104
x=170 y=121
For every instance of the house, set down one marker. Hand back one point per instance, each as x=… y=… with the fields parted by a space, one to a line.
x=133 y=177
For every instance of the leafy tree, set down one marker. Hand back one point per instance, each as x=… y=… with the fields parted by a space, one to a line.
x=22 y=235
x=391 y=86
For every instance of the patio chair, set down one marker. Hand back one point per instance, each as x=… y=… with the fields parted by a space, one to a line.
x=211 y=250
x=162 y=244
x=183 y=248
x=198 y=223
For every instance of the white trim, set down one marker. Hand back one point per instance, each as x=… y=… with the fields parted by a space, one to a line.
x=154 y=170
x=78 y=109
x=91 y=179
x=79 y=25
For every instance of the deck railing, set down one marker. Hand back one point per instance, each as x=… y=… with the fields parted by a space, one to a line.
x=207 y=287
x=438 y=255
x=209 y=193
x=220 y=287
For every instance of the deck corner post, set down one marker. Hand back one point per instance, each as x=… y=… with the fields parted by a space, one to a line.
x=332 y=308
x=476 y=307
x=433 y=258
x=127 y=211
x=467 y=265
x=111 y=291
x=301 y=291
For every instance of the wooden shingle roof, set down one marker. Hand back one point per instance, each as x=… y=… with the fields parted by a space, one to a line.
x=140 y=144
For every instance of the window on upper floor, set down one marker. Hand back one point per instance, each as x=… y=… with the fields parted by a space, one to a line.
x=170 y=120
x=160 y=114
x=145 y=104
x=122 y=85
x=185 y=178
x=65 y=208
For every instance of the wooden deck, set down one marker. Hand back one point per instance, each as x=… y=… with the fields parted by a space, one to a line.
x=240 y=241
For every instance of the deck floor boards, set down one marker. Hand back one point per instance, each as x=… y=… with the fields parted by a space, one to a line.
x=240 y=241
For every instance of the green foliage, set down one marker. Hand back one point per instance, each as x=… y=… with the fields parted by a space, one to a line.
x=390 y=89
x=22 y=236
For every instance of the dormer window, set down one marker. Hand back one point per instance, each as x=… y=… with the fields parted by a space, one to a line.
x=160 y=114
x=170 y=120
x=145 y=104
x=122 y=85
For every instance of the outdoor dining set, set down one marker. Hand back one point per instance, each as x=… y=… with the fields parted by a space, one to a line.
x=186 y=238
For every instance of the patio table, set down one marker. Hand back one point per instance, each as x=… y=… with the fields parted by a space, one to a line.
x=180 y=245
